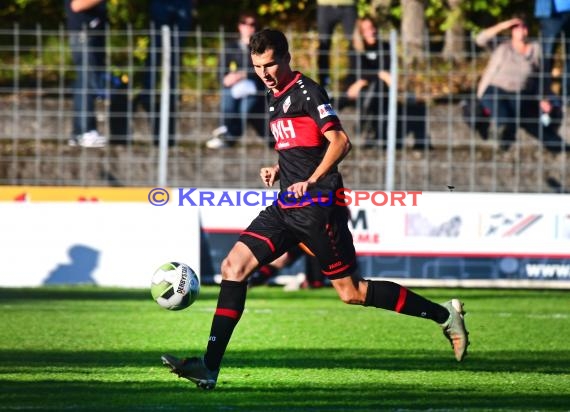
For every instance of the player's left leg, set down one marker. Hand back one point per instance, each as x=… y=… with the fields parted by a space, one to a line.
x=392 y=296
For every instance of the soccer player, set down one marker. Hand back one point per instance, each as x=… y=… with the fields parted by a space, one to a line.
x=311 y=143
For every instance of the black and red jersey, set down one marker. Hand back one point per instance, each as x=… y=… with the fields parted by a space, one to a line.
x=299 y=115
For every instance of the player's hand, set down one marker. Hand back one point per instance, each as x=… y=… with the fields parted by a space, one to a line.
x=299 y=189
x=269 y=175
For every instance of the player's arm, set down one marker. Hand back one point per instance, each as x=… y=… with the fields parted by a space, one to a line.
x=269 y=175
x=339 y=146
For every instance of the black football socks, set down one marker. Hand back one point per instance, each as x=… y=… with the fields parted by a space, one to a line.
x=231 y=302
x=391 y=296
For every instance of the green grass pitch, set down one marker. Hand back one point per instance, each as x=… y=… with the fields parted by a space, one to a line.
x=98 y=349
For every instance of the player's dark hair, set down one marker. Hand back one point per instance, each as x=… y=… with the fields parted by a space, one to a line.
x=269 y=39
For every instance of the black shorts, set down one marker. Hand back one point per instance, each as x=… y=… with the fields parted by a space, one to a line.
x=322 y=229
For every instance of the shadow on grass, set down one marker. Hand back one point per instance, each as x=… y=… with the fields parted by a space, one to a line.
x=84 y=293
x=35 y=389
x=183 y=396
x=551 y=362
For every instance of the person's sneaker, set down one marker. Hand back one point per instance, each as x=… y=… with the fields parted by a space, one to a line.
x=220 y=131
x=454 y=328
x=216 y=143
x=219 y=138
x=192 y=369
x=91 y=138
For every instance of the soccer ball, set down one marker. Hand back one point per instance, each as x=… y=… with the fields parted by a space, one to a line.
x=175 y=286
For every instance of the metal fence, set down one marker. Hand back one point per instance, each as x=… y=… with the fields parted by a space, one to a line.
x=36 y=111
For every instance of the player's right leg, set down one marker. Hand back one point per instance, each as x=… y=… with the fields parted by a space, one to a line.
x=203 y=371
x=264 y=240
x=192 y=369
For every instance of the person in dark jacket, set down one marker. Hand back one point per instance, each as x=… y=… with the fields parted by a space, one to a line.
x=369 y=84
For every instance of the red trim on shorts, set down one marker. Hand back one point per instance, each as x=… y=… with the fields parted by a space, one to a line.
x=265 y=239
x=401 y=299
x=334 y=272
x=229 y=313
x=306 y=202
x=291 y=206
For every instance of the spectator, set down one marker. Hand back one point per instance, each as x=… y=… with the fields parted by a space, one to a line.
x=86 y=20
x=369 y=82
x=554 y=18
x=242 y=91
x=177 y=15
x=329 y=14
x=509 y=89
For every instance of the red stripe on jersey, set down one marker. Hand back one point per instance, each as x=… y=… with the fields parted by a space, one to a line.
x=229 y=313
x=329 y=126
x=265 y=239
x=291 y=83
x=401 y=299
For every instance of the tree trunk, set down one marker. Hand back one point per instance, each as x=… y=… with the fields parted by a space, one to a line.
x=454 y=46
x=413 y=29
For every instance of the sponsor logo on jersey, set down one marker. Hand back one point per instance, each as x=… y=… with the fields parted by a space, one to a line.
x=282 y=131
x=287 y=104
x=326 y=110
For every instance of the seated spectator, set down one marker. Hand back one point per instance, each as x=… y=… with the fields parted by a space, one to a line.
x=369 y=84
x=509 y=92
x=242 y=92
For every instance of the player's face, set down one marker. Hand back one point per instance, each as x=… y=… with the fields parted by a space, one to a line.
x=274 y=72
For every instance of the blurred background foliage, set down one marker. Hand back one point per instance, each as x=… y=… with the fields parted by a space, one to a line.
x=300 y=14
x=210 y=16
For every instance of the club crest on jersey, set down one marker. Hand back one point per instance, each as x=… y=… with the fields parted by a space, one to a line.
x=326 y=110
x=287 y=104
